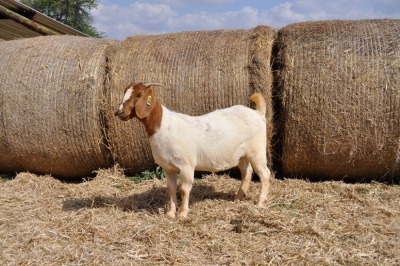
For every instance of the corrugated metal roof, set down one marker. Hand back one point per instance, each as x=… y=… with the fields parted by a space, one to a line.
x=11 y=29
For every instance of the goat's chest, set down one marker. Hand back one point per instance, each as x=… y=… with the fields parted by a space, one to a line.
x=167 y=153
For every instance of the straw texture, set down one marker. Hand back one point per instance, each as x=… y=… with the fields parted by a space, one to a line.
x=340 y=99
x=51 y=99
x=112 y=221
x=199 y=71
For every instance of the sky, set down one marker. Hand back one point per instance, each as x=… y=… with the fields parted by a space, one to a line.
x=119 y=19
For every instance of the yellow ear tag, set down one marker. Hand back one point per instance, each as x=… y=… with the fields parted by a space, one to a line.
x=148 y=100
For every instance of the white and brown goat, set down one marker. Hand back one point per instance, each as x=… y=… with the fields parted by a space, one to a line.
x=222 y=139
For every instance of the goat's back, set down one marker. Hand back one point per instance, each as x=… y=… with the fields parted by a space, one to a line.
x=234 y=122
x=213 y=142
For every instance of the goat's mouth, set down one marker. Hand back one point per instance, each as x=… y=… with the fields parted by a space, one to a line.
x=124 y=117
x=121 y=115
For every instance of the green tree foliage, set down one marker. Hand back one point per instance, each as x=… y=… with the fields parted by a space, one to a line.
x=74 y=13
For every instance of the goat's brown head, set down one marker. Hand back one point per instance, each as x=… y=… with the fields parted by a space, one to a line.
x=138 y=101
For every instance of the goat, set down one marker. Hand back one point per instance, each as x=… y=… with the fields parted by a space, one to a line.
x=222 y=139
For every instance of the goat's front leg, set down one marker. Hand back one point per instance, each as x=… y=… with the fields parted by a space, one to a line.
x=187 y=175
x=171 y=185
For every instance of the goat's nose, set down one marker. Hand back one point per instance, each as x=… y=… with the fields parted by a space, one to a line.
x=118 y=112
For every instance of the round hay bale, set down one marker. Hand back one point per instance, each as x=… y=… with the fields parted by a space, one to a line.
x=200 y=72
x=52 y=94
x=340 y=99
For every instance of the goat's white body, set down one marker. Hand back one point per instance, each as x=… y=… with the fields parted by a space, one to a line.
x=212 y=142
x=235 y=136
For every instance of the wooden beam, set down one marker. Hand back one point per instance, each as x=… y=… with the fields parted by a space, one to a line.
x=27 y=22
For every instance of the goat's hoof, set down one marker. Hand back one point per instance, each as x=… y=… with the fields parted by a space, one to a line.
x=171 y=215
x=182 y=215
x=240 y=196
x=261 y=205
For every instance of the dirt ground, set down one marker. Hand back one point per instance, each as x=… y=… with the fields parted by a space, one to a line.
x=112 y=221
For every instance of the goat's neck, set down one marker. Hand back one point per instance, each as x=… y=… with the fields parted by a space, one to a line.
x=153 y=121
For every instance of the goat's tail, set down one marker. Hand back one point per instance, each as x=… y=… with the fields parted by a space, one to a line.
x=261 y=105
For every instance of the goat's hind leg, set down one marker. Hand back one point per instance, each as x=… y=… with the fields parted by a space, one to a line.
x=246 y=171
x=261 y=169
x=265 y=177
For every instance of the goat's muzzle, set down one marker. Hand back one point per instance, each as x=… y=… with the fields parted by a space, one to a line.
x=118 y=112
x=121 y=115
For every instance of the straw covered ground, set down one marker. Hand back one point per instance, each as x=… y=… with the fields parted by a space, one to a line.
x=112 y=221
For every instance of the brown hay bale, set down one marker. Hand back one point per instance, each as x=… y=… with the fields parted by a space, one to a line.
x=51 y=99
x=339 y=88
x=199 y=71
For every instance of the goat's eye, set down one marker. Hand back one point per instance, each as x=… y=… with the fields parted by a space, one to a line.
x=138 y=95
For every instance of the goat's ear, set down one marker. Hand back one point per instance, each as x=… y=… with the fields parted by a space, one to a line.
x=145 y=104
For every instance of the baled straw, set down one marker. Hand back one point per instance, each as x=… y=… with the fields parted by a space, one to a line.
x=199 y=71
x=340 y=99
x=51 y=97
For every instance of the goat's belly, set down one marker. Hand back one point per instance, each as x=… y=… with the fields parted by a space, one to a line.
x=215 y=168
x=216 y=164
